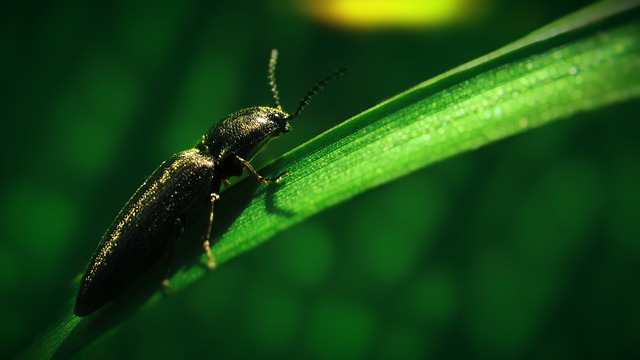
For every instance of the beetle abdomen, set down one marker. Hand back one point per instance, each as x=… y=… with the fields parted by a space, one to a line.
x=140 y=233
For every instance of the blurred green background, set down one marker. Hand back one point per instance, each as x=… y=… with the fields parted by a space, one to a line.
x=527 y=248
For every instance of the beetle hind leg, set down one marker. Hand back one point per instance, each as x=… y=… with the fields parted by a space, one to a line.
x=179 y=226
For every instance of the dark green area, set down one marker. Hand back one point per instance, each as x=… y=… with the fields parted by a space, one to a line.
x=526 y=248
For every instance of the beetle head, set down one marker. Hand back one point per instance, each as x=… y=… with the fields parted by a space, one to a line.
x=245 y=132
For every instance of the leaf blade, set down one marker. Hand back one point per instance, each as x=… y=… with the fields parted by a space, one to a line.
x=436 y=120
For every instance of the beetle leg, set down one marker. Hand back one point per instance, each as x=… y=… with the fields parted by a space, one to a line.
x=166 y=286
x=211 y=262
x=179 y=225
x=260 y=178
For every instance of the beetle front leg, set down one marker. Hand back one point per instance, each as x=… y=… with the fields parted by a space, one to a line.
x=260 y=178
x=211 y=262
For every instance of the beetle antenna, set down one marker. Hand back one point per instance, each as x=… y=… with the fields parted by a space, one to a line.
x=315 y=89
x=272 y=78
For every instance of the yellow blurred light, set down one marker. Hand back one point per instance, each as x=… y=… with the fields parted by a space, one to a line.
x=369 y=14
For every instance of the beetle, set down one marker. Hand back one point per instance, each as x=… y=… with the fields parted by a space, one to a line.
x=149 y=223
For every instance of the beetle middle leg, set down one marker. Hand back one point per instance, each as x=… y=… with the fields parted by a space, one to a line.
x=211 y=262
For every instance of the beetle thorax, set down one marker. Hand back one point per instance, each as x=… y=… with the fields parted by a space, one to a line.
x=244 y=133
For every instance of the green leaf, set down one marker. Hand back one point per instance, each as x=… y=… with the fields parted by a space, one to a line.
x=583 y=62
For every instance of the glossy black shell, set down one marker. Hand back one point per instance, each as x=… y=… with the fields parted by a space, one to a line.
x=146 y=226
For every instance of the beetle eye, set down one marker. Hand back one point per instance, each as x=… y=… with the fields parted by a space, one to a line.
x=276 y=117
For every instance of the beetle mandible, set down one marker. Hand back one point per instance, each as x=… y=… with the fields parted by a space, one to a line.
x=141 y=233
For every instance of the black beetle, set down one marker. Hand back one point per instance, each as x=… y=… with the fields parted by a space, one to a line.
x=156 y=213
